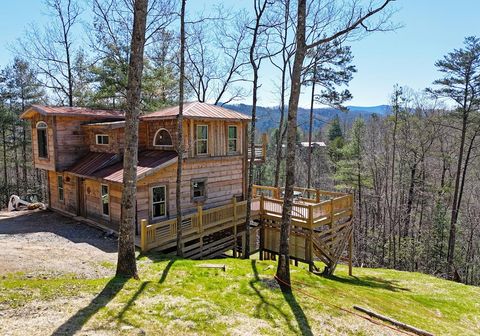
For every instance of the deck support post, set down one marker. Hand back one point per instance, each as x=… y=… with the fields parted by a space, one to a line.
x=350 y=254
x=200 y=228
x=235 y=218
x=310 y=240
x=143 y=235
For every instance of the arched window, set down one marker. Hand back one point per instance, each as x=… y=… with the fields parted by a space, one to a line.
x=162 y=138
x=42 y=139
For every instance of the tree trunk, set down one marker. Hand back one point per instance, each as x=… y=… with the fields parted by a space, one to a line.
x=255 y=65
x=310 y=128
x=178 y=192
x=455 y=203
x=283 y=269
x=126 y=265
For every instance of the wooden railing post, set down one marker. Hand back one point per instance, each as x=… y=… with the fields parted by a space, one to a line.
x=317 y=195
x=143 y=235
x=235 y=219
x=262 y=206
x=277 y=193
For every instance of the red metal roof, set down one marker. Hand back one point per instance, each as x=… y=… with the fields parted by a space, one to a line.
x=197 y=110
x=111 y=168
x=93 y=161
x=72 y=111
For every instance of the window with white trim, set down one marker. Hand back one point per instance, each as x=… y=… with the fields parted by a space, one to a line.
x=202 y=139
x=232 y=139
x=105 y=198
x=102 y=139
x=61 y=194
x=159 y=201
x=42 y=139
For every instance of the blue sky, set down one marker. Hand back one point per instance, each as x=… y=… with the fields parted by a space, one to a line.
x=431 y=28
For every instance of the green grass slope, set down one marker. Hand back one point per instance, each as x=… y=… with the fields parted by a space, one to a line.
x=176 y=297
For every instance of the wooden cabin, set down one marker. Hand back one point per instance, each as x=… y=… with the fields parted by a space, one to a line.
x=82 y=149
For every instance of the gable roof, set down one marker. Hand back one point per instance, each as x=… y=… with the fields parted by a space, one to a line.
x=71 y=112
x=109 y=166
x=197 y=110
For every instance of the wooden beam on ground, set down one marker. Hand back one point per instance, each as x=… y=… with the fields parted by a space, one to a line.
x=220 y=266
x=394 y=322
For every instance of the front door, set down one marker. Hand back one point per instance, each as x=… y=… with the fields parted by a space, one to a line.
x=81 y=197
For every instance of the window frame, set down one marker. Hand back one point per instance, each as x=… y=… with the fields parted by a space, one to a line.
x=192 y=192
x=152 y=203
x=43 y=127
x=102 y=135
x=197 y=141
x=101 y=200
x=155 y=137
x=61 y=189
x=236 y=151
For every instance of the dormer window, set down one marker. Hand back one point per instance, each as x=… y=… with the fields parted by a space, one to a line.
x=42 y=139
x=162 y=138
x=102 y=139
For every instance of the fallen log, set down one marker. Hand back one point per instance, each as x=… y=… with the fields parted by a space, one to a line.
x=221 y=266
x=394 y=322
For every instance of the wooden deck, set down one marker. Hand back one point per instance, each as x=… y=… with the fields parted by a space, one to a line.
x=321 y=228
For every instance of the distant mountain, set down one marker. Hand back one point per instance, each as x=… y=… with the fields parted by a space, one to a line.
x=268 y=117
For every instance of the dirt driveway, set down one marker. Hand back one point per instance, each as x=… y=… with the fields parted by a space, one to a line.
x=44 y=243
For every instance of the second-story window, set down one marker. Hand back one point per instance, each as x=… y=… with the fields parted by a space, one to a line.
x=42 y=136
x=102 y=139
x=202 y=139
x=162 y=138
x=232 y=139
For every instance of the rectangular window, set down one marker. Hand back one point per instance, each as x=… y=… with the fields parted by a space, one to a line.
x=105 y=200
x=61 y=196
x=199 y=190
x=232 y=139
x=202 y=139
x=102 y=139
x=42 y=143
x=159 y=202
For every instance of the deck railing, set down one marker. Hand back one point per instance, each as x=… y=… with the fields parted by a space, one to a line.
x=196 y=225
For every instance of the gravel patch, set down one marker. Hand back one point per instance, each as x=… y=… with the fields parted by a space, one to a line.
x=46 y=244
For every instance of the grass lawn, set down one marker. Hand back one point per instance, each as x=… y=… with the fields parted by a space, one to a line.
x=176 y=297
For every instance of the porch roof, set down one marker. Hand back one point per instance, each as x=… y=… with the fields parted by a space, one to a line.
x=109 y=166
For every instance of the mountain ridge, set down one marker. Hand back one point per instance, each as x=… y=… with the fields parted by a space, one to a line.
x=268 y=117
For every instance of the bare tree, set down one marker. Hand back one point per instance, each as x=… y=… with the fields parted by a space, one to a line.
x=126 y=265
x=256 y=56
x=217 y=57
x=52 y=52
x=355 y=18
x=178 y=191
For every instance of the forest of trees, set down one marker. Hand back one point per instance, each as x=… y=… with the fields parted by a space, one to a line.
x=415 y=172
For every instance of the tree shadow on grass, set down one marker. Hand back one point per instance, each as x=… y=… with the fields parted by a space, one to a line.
x=76 y=322
x=371 y=282
x=289 y=298
x=297 y=310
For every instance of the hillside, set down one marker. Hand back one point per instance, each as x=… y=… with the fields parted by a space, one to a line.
x=176 y=297
x=268 y=117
